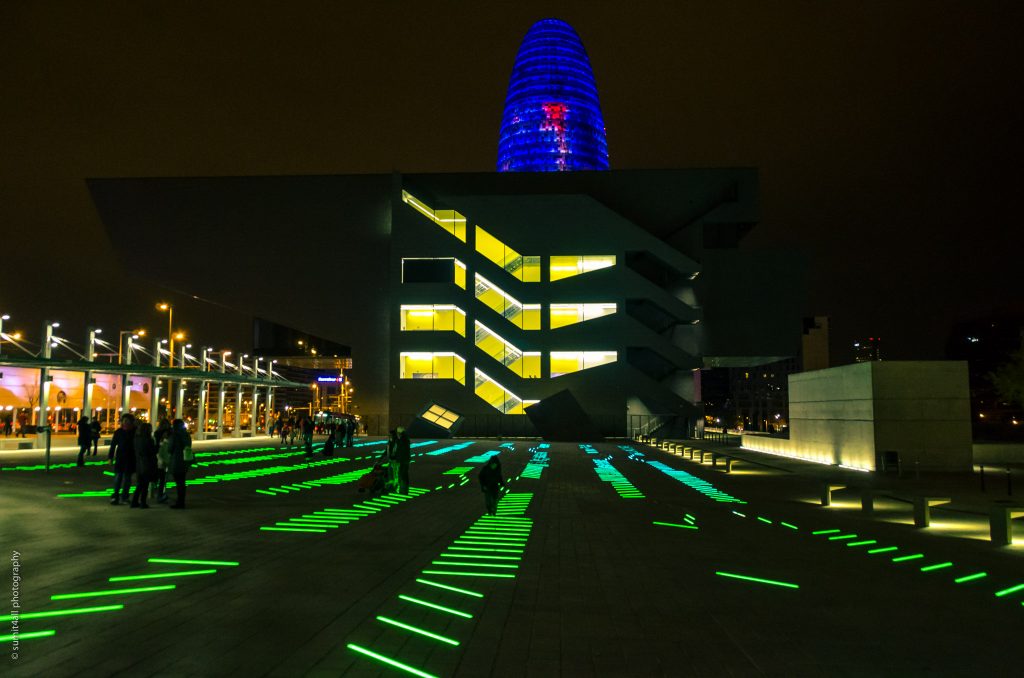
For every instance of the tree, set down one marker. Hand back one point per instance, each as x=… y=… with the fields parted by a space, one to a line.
x=1008 y=378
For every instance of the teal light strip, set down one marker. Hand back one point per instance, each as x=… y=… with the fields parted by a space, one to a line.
x=758 y=580
x=161 y=575
x=900 y=559
x=112 y=592
x=178 y=561
x=970 y=577
x=389 y=661
x=684 y=526
x=435 y=606
x=63 y=613
x=27 y=636
x=936 y=566
x=446 y=587
x=418 y=630
x=1012 y=589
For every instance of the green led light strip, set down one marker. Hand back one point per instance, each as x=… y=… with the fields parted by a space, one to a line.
x=446 y=587
x=471 y=548
x=450 y=563
x=112 y=592
x=27 y=636
x=817 y=532
x=759 y=580
x=900 y=559
x=435 y=606
x=792 y=527
x=866 y=542
x=178 y=561
x=63 y=613
x=487 y=543
x=501 y=575
x=473 y=555
x=416 y=629
x=741 y=515
x=937 y=566
x=1012 y=589
x=291 y=529
x=162 y=575
x=886 y=549
x=764 y=520
x=839 y=537
x=389 y=661
x=685 y=527
x=970 y=577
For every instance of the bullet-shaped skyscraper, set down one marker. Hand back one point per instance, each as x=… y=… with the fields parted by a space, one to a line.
x=552 y=120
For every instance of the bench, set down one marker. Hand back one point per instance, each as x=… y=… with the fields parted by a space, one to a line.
x=728 y=460
x=922 y=503
x=826 y=492
x=1000 y=523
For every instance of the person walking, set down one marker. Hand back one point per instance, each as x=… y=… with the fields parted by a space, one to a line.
x=163 y=459
x=307 y=435
x=122 y=456
x=491 y=484
x=22 y=424
x=94 y=428
x=401 y=457
x=84 y=439
x=8 y=426
x=181 y=459
x=145 y=463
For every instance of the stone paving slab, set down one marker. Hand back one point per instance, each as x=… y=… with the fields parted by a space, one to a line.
x=601 y=591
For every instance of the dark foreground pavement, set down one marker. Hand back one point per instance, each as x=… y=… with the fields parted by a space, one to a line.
x=591 y=585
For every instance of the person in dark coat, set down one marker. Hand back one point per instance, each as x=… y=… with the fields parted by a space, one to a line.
x=122 y=455
x=163 y=455
x=94 y=427
x=307 y=435
x=84 y=439
x=145 y=463
x=400 y=456
x=350 y=429
x=178 y=467
x=329 y=444
x=491 y=484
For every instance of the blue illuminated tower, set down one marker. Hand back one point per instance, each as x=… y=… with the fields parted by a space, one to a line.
x=552 y=120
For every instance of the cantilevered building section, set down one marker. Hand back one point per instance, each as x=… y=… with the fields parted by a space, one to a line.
x=552 y=120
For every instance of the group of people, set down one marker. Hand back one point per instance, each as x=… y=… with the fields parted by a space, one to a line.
x=8 y=425
x=88 y=438
x=136 y=449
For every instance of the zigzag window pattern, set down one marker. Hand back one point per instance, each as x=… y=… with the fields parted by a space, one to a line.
x=524 y=268
x=525 y=364
x=442 y=365
x=499 y=397
x=449 y=220
x=523 y=316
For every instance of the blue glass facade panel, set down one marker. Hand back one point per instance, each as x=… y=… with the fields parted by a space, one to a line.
x=552 y=120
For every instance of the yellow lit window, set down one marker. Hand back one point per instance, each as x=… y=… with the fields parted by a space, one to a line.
x=567 y=362
x=460 y=274
x=440 y=416
x=525 y=268
x=432 y=366
x=523 y=316
x=497 y=396
x=449 y=220
x=433 y=318
x=526 y=364
x=568 y=266
x=570 y=314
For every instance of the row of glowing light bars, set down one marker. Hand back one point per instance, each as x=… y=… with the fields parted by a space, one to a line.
x=490 y=549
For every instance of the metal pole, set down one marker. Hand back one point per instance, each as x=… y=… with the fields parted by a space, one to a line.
x=44 y=391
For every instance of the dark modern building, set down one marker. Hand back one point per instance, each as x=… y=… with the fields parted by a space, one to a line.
x=485 y=294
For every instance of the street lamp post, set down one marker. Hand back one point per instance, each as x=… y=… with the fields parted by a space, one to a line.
x=2 y=319
x=179 y=405
x=154 y=391
x=201 y=413
x=237 y=433
x=221 y=394
x=90 y=379
x=254 y=411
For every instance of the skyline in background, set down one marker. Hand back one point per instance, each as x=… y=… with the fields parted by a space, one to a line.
x=886 y=135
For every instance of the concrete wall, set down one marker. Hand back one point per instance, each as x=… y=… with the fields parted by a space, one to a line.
x=999 y=453
x=843 y=415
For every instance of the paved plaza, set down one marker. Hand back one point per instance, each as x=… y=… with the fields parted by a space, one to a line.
x=612 y=559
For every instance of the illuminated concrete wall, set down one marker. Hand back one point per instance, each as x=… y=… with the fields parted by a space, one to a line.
x=844 y=415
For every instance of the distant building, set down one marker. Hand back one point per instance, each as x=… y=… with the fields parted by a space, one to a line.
x=867 y=350
x=814 y=353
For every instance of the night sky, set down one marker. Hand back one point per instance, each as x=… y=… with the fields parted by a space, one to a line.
x=887 y=133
